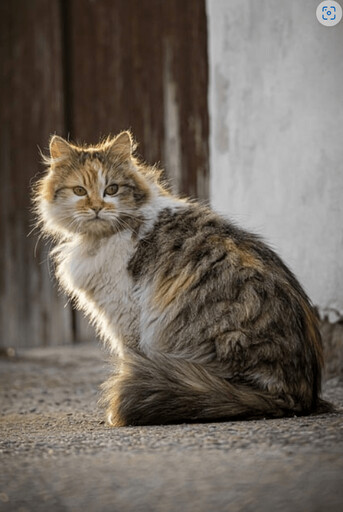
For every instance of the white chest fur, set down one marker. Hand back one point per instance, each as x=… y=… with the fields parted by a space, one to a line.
x=97 y=277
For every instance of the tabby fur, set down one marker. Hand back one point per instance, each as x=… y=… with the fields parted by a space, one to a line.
x=206 y=321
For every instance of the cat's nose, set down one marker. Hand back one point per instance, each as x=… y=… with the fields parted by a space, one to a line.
x=96 y=209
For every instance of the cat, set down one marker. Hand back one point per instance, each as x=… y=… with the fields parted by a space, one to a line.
x=206 y=321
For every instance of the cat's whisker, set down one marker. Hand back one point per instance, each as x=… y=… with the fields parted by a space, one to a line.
x=36 y=227
x=131 y=228
x=133 y=217
x=123 y=224
x=75 y=223
x=39 y=238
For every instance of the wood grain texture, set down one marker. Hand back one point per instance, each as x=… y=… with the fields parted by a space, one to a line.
x=142 y=64
x=31 y=94
x=86 y=69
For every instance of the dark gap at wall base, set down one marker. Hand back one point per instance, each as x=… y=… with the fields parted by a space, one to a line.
x=332 y=335
x=66 y=25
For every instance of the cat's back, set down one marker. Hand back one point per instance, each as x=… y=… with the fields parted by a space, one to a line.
x=227 y=293
x=193 y=235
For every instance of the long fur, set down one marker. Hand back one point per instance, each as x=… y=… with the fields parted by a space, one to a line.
x=167 y=389
x=206 y=320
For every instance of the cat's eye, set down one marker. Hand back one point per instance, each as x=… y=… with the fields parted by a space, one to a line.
x=80 y=191
x=111 y=190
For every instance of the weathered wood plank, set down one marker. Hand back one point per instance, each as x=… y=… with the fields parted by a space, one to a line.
x=91 y=68
x=31 y=94
x=185 y=62
x=142 y=64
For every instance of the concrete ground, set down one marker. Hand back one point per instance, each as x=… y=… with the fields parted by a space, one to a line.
x=57 y=454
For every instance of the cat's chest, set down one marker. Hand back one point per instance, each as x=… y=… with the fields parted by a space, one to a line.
x=98 y=272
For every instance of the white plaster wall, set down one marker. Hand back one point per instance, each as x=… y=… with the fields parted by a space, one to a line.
x=276 y=134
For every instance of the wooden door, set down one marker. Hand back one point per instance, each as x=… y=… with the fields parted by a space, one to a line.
x=84 y=69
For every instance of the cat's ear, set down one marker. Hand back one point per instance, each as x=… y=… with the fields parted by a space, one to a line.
x=60 y=149
x=122 y=145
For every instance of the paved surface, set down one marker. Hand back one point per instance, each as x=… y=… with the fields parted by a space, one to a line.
x=57 y=454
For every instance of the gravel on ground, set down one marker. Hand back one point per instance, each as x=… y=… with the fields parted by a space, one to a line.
x=58 y=454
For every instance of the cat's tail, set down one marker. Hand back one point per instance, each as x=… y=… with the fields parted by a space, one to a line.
x=169 y=390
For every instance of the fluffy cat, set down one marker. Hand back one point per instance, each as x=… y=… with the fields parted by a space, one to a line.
x=206 y=321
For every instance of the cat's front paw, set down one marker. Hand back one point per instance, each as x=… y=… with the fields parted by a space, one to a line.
x=114 y=419
x=111 y=421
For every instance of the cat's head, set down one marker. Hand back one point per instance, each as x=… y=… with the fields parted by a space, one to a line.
x=95 y=190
